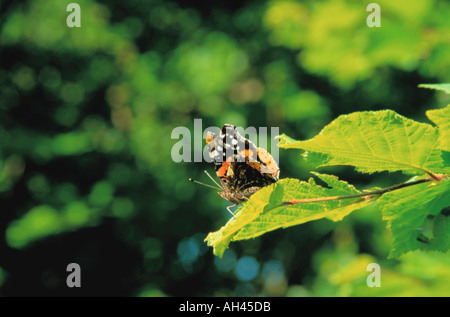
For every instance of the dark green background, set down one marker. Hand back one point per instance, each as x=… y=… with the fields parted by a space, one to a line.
x=86 y=116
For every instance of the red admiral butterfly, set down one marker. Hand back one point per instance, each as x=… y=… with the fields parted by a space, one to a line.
x=242 y=168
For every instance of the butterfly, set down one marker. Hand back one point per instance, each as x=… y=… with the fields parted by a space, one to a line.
x=242 y=167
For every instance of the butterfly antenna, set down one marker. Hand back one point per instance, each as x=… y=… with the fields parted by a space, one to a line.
x=207 y=185
x=206 y=172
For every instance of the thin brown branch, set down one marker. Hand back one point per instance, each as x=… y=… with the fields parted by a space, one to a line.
x=366 y=194
x=437 y=177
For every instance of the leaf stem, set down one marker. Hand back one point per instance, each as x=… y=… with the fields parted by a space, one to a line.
x=372 y=193
x=434 y=176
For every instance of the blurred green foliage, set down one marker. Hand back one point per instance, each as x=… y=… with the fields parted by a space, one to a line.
x=86 y=116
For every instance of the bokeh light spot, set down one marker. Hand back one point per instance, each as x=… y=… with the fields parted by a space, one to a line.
x=246 y=268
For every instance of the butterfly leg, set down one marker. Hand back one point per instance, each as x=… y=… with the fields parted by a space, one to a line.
x=228 y=208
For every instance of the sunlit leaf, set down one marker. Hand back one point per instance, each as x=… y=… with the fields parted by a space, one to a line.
x=406 y=211
x=442 y=87
x=441 y=117
x=374 y=142
x=265 y=211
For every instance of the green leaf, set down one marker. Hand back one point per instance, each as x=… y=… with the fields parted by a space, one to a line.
x=441 y=117
x=408 y=212
x=442 y=230
x=265 y=211
x=440 y=240
x=375 y=142
x=443 y=87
